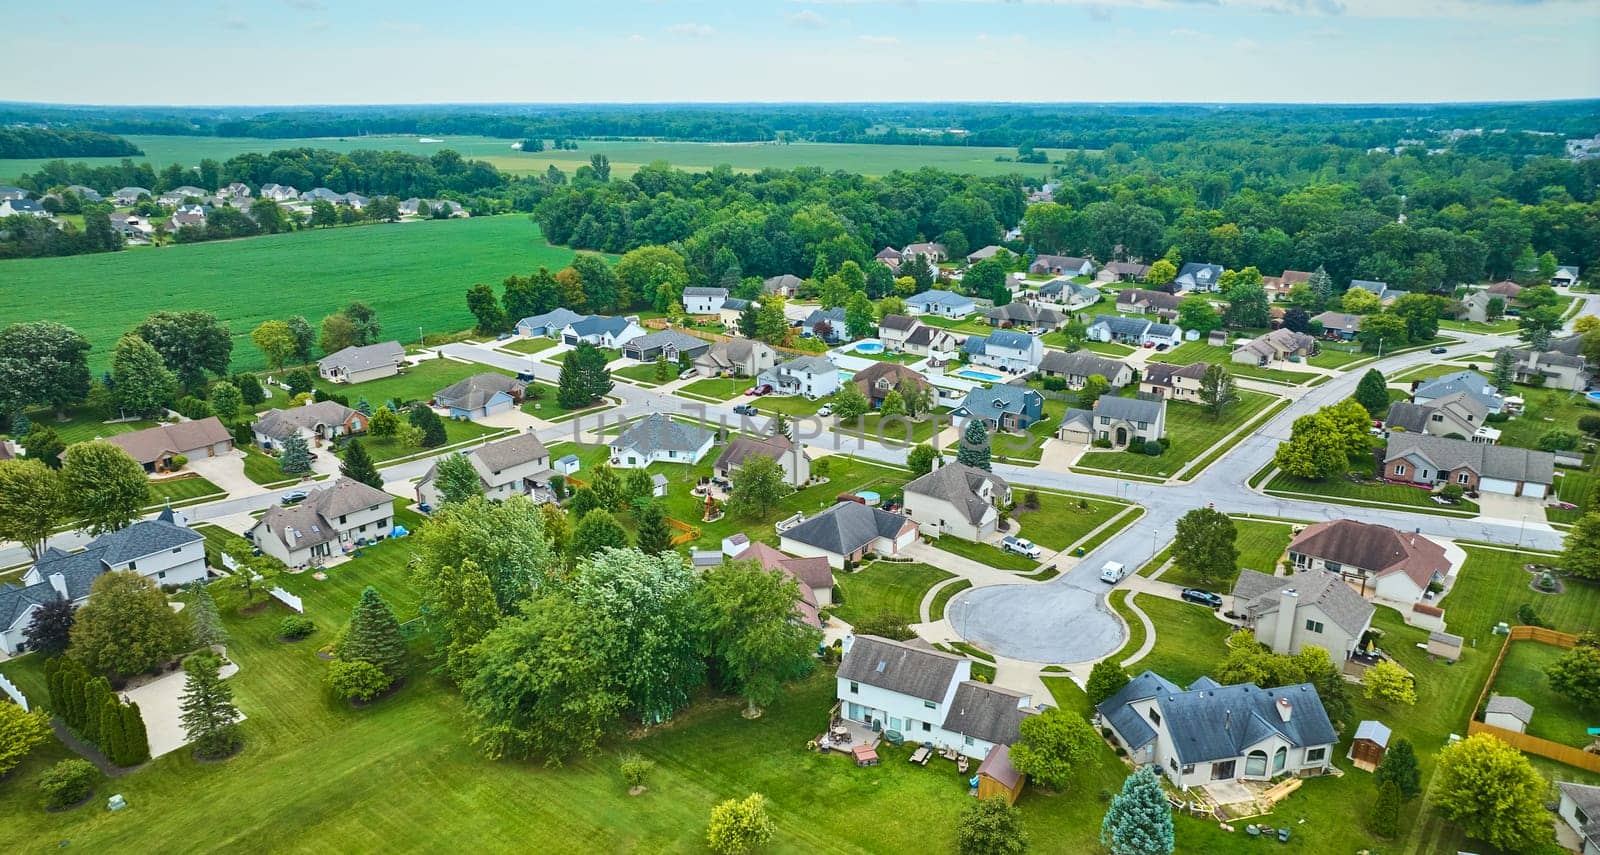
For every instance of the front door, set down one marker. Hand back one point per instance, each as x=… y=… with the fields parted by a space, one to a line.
x=1122 y=436
x=1222 y=771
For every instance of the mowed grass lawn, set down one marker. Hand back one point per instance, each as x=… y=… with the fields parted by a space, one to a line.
x=529 y=345
x=413 y=383
x=79 y=426
x=719 y=388
x=547 y=407
x=1191 y=431
x=885 y=588
x=1198 y=351
x=1059 y=522
x=177 y=490
x=412 y=274
x=1368 y=493
x=1555 y=716
x=455 y=430
x=1189 y=640
x=1260 y=544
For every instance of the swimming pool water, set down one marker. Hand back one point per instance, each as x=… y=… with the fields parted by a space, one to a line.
x=869 y=347
x=979 y=375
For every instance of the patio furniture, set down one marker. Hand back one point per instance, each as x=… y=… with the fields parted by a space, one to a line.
x=893 y=737
x=1283 y=835
x=920 y=756
x=961 y=764
x=864 y=755
x=841 y=734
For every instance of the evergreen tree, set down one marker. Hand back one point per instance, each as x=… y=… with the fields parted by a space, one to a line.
x=1399 y=767
x=112 y=742
x=1372 y=393
x=1322 y=287
x=597 y=530
x=295 y=458
x=1384 y=817
x=974 y=449
x=595 y=375
x=203 y=617
x=749 y=320
x=570 y=392
x=654 y=535
x=136 y=739
x=1140 y=820
x=1505 y=370
x=374 y=635
x=357 y=465
x=95 y=695
x=206 y=710
x=423 y=418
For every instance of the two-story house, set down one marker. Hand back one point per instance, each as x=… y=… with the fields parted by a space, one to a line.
x=1198 y=276
x=827 y=325
x=893 y=330
x=935 y=343
x=1387 y=563
x=740 y=357
x=1315 y=607
x=957 y=500
x=330 y=520
x=1470 y=382
x=790 y=456
x=1119 y=421
x=1211 y=732
x=1552 y=369
x=704 y=301
x=880 y=378
x=360 y=363
x=1002 y=407
x=1456 y=415
x=812 y=376
x=517 y=466
x=1173 y=382
x=1143 y=301
x=1077 y=367
x=1008 y=350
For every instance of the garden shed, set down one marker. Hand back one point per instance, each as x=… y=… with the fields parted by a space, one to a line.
x=997 y=777
x=1444 y=645
x=1508 y=712
x=1371 y=742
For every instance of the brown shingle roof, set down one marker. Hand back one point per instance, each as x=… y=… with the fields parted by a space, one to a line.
x=1377 y=548
x=151 y=444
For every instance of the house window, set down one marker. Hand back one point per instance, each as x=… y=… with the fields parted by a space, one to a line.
x=1437 y=417
x=178 y=550
x=1463 y=478
x=1314 y=626
x=1143 y=425
x=1173 y=762
x=133 y=565
x=855 y=688
x=1280 y=758
x=341 y=519
x=161 y=575
x=1188 y=769
x=969 y=740
x=1155 y=717
x=1333 y=566
x=926 y=727
x=929 y=705
x=1314 y=755
x=1399 y=469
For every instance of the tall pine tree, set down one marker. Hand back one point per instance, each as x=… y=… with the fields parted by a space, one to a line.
x=974 y=450
x=357 y=464
x=206 y=709
x=654 y=535
x=374 y=635
x=203 y=617
x=1372 y=393
x=134 y=734
x=295 y=457
x=1399 y=767
x=112 y=742
x=1140 y=820
x=570 y=392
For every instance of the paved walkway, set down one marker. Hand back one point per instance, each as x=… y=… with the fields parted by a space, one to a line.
x=159 y=702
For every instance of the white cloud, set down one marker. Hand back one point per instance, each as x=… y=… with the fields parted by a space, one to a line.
x=807 y=19
x=698 y=31
x=880 y=40
x=305 y=5
x=636 y=38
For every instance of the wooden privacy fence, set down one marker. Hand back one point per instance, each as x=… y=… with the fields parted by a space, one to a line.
x=1521 y=741
x=687 y=533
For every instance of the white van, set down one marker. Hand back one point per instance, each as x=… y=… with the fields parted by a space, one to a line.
x=1113 y=572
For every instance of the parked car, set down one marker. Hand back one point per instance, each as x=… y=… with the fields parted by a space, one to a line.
x=1149 y=344
x=763 y=389
x=1436 y=350
x=1204 y=598
x=294 y=497
x=1020 y=546
x=744 y=409
x=1162 y=346
x=686 y=373
x=825 y=410
x=1113 y=571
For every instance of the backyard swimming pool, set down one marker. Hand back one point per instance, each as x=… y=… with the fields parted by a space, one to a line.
x=982 y=376
x=869 y=347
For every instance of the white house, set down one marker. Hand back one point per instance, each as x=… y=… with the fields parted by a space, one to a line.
x=926 y=696
x=163 y=550
x=893 y=330
x=510 y=467
x=658 y=439
x=601 y=331
x=1579 y=808
x=1312 y=607
x=548 y=325
x=22 y=208
x=704 y=301
x=1008 y=350
x=944 y=304
x=1195 y=276
x=1210 y=732
x=314 y=421
x=279 y=192
x=332 y=519
x=957 y=500
x=1134 y=331
x=740 y=357
x=360 y=363
x=790 y=456
x=847 y=531
x=811 y=376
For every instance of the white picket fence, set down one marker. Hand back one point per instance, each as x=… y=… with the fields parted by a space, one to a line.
x=11 y=689
x=288 y=599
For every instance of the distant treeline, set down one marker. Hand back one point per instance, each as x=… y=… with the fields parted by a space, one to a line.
x=1531 y=128
x=49 y=142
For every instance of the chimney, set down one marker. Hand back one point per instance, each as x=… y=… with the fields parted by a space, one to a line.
x=59 y=582
x=1285 y=709
x=1283 y=630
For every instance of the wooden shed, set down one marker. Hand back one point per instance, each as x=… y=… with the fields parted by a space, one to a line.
x=997 y=777
x=1444 y=645
x=1369 y=745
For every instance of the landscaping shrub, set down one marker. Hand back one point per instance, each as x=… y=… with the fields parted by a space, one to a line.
x=1557 y=439
x=1453 y=492
x=635 y=769
x=1589 y=425
x=1055 y=384
x=358 y=680
x=296 y=627
x=193 y=408
x=1153 y=448
x=68 y=783
x=1527 y=616
x=1498 y=418
x=1102 y=443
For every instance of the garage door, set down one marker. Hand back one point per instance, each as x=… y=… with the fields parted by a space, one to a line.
x=1537 y=491
x=1497 y=485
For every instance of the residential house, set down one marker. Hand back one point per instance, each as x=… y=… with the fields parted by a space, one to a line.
x=1122 y=271
x=319 y=420
x=127 y=196
x=944 y=304
x=732 y=309
x=1341 y=324
x=790 y=456
x=785 y=285
x=1275 y=346
x=1457 y=415
x=132 y=226
x=510 y=467
x=927 y=696
x=1143 y=301
x=812 y=376
x=548 y=325
x=1198 y=276
x=1475 y=307
x=659 y=439
x=880 y=378
x=1061 y=265
x=1173 y=382
x=984 y=254
x=1390 y=564
x=194 y=217
x=847 y=531
x=332 y=519
x=279 y=192
x=1501 y=469
x=1077 y=367
x=1028 y=315
x=1008 y=350
x=740 y=357
x=889 y=257
x=1579 y=808
x=178 y=195
x=236 y=190
x=163 y=550
x=1312 y=607
x=1134 y=331
x=1471 y=382
x=1554 y=368
x=601 y=331
x=1119 y=421
x=812 y=576
x=1070 y=295
x=1505 y=289
x=704 y=301
x=1002 y=407
x=935 y=253
x=8 y=191
x=352 y=200
x=23 y=208
x=480 y=396
x=957 y=500
x=1278 y=287
x=154 y=448
x=671 y=344
x=1381 y=290
x=827 y=325
x=1210 y=732
x=936 y=343
x=87 y=194
x=321 y=194
x=360 y=363
x=893 y=331
x=1566 y=276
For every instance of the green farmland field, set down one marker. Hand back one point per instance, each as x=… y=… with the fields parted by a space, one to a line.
x=626 y=155
x=413 y=274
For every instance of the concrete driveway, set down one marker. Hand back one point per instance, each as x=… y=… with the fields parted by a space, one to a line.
x=159 y=701
x=227 y=472
x=1514 y=508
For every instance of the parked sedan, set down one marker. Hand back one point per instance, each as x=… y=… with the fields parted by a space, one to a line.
x=1204 y=598
x=1436 y=350
x=744 y=409
x=293 y=496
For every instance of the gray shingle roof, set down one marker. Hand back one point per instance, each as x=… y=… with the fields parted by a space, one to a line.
x=1517 y=708
x=897 y=667
x=936 y=297
x=80 y=569
x=362 y=358
x=516 y=451
x=773 y=284
x=846 y=527
x=986 y=712
x=1082 y=363
x=805 y=365
x=1261 y=594
x=696 y=291
x=1119 y=712
x=897 y=322
x=657 y=432
x=1220 y=723
x=1373 y=731
x=280 y=424
x=1587 y=798
x=1024 y=313
x=1161 y=373
x=1133 y=327
x=958 y=484
x=314 y=520
x=1488 y=461
x=1129 y=409
x=664 y=338
x=598 y=325
x=735 y=304
x=834 y=316
x=471 y=393
x=999 y=338
x=558 y=318
x=1471 y=382
x=1156 y=299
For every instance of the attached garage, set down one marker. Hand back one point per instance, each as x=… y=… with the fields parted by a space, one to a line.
x=1498 y=485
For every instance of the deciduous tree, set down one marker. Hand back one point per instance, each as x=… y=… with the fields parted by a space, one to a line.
x=991 y=826
x=921 y=459
x=42 y=363
x=32 y=502
x=1577 y=675
x=276 y=342
x=1054 y=747
x=596 y=531
x=1205 y=547
x=1581 y=556
x=485 y=306
x=749 y=632
x=143 y=386
x=456 y=479
x=1105 y=679
x=1218 y=391
x=50 y=629
x=739 y=827
x=105 y=489
x=190 y=343
x=1491 y=791
x=20 y=732
x=126 y=627
x=1389 y=682
x=1372 y=393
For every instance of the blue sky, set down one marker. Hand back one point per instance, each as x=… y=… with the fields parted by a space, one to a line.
x=369 y=51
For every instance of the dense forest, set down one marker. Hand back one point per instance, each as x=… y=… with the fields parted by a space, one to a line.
x=50 y=142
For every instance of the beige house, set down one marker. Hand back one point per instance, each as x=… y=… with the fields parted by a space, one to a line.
x=1457 y=415
x=358 y=364
x=740 y=357
x=1312 y=607
x=510 y=467
x=930 y=341
x=957 y=500
x=331 y=520
x=1119 y=421
x=1559 y=370
x=846 y=532
x=791 y=457
x=1077 y=367
x=1173 y=382
x=155 y=448
x=1275 y=346
x=893 y=331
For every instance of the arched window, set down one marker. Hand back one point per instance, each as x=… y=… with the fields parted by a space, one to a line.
x=1279 y=759
x=1255 y=764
